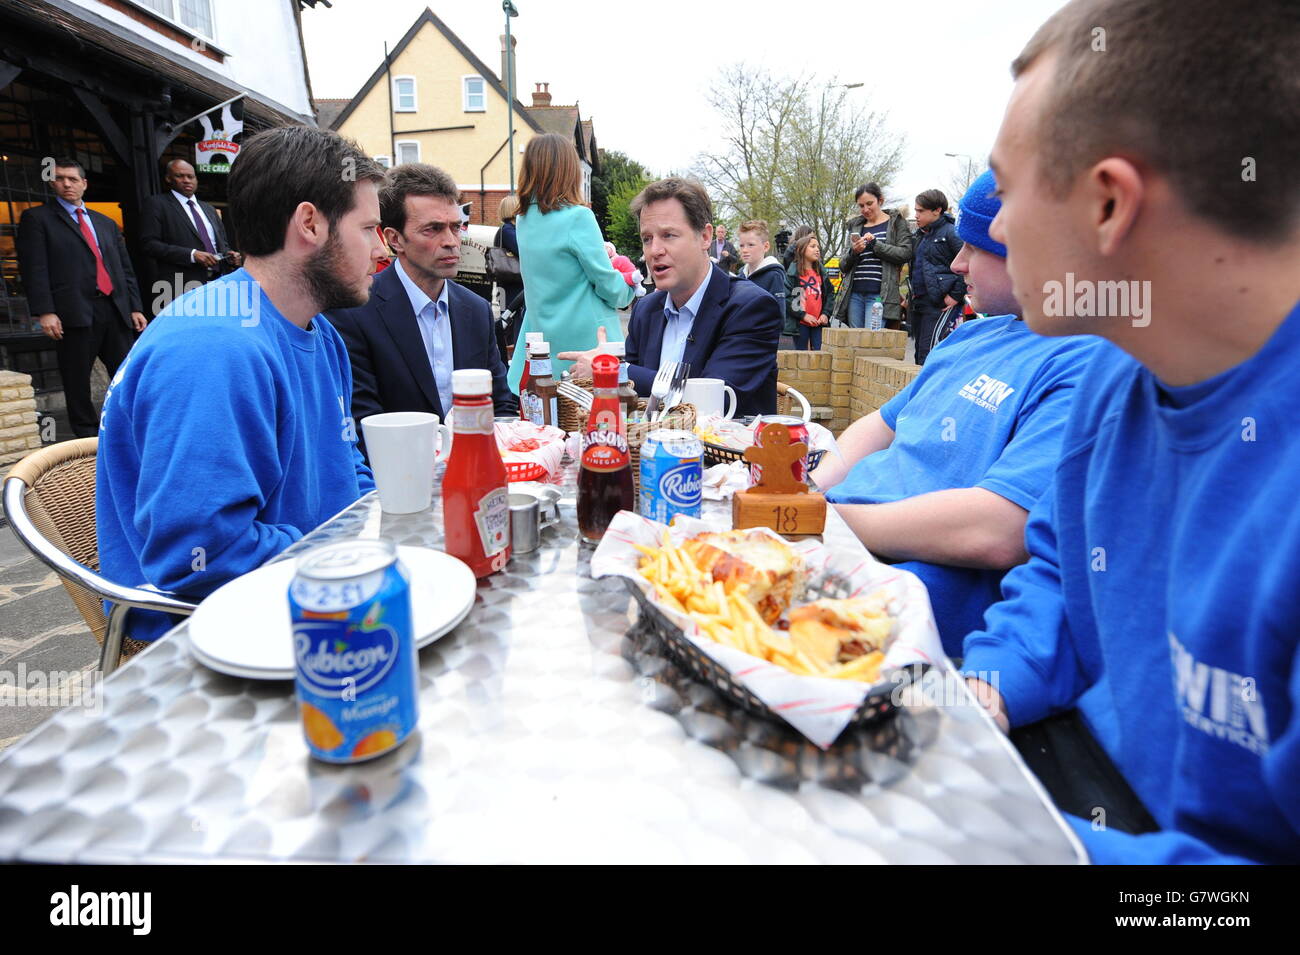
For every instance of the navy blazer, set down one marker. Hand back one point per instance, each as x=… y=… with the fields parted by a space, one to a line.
x=390 y=367
x=59 y=269
x=734 y=338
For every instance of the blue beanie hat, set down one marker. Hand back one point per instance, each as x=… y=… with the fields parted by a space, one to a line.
x=978 y=208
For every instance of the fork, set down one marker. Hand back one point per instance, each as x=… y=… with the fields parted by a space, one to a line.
x=659 y=388
x=676 y=388
x=575 y=394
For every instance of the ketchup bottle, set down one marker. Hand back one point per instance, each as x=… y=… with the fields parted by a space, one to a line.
x=605 y=481
x=529 y=337
x=475 y=502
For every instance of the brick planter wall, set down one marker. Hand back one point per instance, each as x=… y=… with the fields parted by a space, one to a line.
x=19 y=432
x=843 y=377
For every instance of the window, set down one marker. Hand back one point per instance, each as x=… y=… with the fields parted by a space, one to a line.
x=384 y=161
x=408 y=151
x=404 y=94
x=475 y=94
x=195 y=15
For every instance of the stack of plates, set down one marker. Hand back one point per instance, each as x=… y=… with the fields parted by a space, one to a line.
x=243 y=629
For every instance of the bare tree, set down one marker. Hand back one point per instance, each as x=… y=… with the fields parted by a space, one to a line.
x=966 y=172
x=793 y=150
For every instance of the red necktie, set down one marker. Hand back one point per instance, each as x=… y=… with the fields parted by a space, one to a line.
x=102 y=281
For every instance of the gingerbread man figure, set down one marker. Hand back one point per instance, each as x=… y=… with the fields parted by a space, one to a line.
x=776 y=456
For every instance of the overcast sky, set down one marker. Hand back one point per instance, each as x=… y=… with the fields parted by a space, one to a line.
x=641 y=71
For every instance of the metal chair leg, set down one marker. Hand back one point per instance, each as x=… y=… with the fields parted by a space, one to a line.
x=112 y=649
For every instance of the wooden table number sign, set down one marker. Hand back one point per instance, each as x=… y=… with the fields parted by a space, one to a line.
x=779 y=499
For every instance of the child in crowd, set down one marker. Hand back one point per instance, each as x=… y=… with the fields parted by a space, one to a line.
x=808 y=293
x=760 y=266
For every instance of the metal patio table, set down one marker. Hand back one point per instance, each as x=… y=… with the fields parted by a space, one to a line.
x=553 y=728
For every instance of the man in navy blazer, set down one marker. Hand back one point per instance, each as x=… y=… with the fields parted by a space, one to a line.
x=419 y=325
x=696 y=314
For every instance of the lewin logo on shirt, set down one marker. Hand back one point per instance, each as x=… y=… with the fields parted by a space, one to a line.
x=1216 y=701
x=986 y=392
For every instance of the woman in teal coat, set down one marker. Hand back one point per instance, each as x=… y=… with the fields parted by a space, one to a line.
x=569 y=284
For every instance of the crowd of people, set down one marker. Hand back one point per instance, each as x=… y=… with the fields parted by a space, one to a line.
x=1100 y=503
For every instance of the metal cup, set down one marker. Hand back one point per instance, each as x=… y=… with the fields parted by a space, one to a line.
x=526 y=521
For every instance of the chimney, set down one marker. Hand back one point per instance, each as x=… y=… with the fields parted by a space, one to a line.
x=542 y=94
x=505 y=61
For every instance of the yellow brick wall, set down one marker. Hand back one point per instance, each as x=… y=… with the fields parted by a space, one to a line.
x=855 y=373
x=19 y=432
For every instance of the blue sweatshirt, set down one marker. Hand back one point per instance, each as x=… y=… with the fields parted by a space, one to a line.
x=1162 y=598
x=987 y=410
x=225 y=437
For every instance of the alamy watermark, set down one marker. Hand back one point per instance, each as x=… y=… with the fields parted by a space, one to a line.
x=242 y=300
x=59 y=688
x=1085 y=298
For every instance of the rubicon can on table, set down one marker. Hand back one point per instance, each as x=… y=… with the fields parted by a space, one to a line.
x=798 y=432
x=354 y=649
x=672 y=470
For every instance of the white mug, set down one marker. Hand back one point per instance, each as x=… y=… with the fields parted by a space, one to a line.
x=706 y=395
x=401 y=448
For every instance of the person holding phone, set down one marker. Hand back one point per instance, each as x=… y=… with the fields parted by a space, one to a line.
x=880 y=244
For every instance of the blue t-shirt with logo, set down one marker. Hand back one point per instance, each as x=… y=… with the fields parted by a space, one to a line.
x=986 y=411
x=1162 y=597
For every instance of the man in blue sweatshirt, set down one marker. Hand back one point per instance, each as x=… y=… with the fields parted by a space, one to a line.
x=943 y=476
x=226 y=434
x=1162 y=593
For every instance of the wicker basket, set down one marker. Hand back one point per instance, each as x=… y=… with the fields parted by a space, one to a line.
x=573 y=417
x=681 y=418
x=717 y=454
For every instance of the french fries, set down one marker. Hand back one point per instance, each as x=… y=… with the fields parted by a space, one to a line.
x=732 y=619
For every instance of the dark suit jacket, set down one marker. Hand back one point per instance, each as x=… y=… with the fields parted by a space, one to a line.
x=390 y=367
x=168 y=236
x=733 y=338
x=59 y=268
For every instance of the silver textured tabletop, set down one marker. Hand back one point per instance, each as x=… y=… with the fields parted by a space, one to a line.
x=552 y=729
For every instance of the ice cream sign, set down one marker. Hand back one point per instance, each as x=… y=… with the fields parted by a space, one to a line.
x=216 y=149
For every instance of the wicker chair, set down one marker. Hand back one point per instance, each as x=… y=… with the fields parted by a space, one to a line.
x=49 y=501
x=785 y=402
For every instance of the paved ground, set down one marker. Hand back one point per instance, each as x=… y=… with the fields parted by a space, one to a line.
x=41 y=633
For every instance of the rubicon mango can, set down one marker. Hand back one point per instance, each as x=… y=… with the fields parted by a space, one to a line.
x=354 y=650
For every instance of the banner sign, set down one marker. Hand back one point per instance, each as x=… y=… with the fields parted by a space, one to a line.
x=216 y=150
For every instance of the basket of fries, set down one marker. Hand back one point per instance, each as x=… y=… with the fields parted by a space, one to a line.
x=820 y=638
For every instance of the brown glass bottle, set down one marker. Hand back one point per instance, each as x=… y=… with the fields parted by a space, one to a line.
x=541 y=398
x=605 y=481
x=626 y=390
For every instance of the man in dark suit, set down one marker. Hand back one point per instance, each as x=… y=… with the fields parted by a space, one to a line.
x=723 y=252
x=419 y=325
x=183 y=236
x=81 y=287
x=696 y=314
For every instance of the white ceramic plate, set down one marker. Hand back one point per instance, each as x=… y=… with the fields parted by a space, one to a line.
x=243 y=629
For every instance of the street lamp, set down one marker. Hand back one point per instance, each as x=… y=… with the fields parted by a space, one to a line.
x=510 y=12
x=969 y=163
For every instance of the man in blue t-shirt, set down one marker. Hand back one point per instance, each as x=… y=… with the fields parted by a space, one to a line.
x=226 y=435
x=1162 y=593
x=943 y=476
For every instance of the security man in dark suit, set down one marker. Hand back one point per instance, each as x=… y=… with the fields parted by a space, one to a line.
x=183 y=237
x=696 y=314
x=81 y=287
x=419 y=325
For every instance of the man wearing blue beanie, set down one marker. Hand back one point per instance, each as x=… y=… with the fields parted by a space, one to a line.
x=943 y=476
